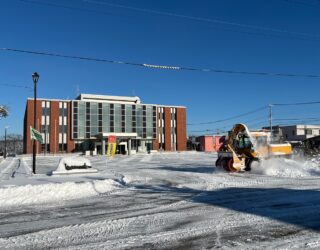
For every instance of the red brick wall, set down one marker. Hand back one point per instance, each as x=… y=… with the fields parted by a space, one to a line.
x=167 y=129
x=29 y=122
x=181 y=129
x=54 y=127
x=70 y=142
x=155 y=144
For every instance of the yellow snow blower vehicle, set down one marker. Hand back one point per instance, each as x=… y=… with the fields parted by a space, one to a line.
x=243 y=147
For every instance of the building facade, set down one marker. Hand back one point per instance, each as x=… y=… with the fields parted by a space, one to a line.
x=86 y=123
x=210 y=143
x=295 y=133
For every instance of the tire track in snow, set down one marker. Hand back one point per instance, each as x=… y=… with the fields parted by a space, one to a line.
x=7 y=172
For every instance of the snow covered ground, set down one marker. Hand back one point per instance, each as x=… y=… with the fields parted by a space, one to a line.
x=159 y=201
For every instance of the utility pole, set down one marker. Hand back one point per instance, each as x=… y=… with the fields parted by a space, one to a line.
x=270 y=118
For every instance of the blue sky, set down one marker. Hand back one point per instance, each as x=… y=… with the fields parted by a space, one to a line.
x=93 y=29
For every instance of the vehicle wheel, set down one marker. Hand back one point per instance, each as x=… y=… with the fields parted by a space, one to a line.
x=248 y=164
x=224 y=164
x=218 y=162
x=230 y=166
x=252 y=163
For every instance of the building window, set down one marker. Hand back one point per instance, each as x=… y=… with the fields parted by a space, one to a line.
x=308 y=131
x=63 y=125
x=45 y=125
x=161 y=127
x=62 y=147
x=44 y=149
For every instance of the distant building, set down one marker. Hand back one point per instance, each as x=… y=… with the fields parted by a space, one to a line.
x=192 y=143
x=295 y=132
x=312 y=145
x=210 y=143
x=86 y=123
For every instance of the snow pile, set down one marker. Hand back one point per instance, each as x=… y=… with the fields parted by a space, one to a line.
x=71 y=165
x=53 y=192
x=286 y=168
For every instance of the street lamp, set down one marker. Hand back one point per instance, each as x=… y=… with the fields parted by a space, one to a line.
x=35 y=78
x=5 y=142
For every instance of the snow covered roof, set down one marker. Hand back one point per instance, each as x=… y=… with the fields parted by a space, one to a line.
x=109 y=98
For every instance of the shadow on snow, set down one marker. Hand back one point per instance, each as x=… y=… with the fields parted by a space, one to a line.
x=190 y=168
x=296 y=207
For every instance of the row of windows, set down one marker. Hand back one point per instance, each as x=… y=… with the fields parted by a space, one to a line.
x=46 y=147
x=120 y=110
x=89 y=119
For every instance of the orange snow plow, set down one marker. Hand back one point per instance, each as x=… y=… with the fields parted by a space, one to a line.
x=242 y=148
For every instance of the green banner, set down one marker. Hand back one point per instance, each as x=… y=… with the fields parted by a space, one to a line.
x=35 y=135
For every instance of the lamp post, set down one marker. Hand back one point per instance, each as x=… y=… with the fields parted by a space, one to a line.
x=35 y=78
x=5 y=142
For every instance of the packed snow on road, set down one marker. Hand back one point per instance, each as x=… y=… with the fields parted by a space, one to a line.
x=159 y=201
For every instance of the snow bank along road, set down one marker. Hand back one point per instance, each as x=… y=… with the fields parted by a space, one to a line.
x=160 y=201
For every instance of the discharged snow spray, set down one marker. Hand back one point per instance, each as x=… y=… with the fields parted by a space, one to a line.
x=296 y=167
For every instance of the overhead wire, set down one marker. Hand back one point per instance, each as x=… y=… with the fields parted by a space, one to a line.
x=231 y=118
x=216 y=21
x=157 y=66
x=295 y=104
x=228 y=127
x=64 y=6
x=296 y=119
x=15 y=86
x=310 y=4
x=279 y=33
x=288 y=120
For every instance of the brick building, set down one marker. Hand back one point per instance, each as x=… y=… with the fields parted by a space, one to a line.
x=86 y=123
x=210 y=143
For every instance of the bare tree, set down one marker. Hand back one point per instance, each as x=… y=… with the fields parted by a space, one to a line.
x=14 y=143
x=3 y=111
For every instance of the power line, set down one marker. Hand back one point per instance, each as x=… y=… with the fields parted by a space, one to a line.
x=310 y=4
x=263 y=108
x=293 y=35
x=297 y=119
x=231 y=118
x=64 y=6
x=162 y=67
x=216 y=21
x=15 y=86
x=223 y=128
x=303 y=122
x=296 y=104
x=281 y=122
